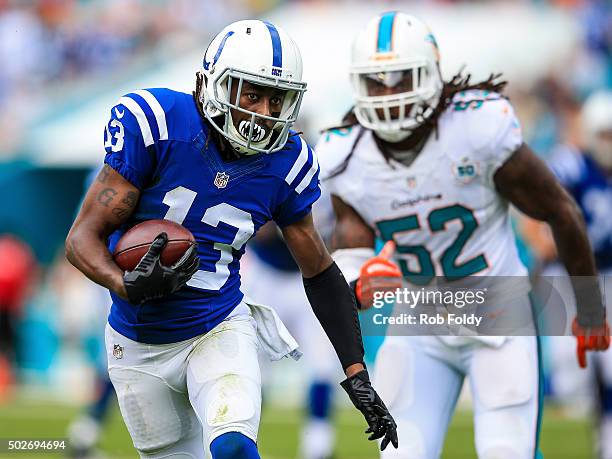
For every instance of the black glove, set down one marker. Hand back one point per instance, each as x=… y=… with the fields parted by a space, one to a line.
x=150 y=279
x=364 y=397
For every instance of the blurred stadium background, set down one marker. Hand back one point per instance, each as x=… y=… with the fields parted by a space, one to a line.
x=63 y=64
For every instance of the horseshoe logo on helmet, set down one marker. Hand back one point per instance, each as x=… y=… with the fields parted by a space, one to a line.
x=218 y=53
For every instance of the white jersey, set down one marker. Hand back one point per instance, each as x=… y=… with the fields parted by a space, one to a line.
x=443 y=210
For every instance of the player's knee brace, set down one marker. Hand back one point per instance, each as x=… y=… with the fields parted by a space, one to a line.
x=319 y=400
x=233 y=445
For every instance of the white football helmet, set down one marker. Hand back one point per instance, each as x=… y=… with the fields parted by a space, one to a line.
x=597 y=127
x=395 y=47
x=262 y=54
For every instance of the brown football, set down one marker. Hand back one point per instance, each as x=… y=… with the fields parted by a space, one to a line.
x=136 y=241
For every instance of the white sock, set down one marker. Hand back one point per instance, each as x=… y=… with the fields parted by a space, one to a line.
x=318 y=437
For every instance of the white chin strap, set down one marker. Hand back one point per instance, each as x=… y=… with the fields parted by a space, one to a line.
x=393 y=136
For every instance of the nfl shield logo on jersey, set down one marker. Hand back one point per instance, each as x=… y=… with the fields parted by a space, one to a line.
x=117 y=351
x=221 y=179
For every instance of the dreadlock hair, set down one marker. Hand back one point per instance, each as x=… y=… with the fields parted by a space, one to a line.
x=228 y=154
x=348 y=121
x=457 y=84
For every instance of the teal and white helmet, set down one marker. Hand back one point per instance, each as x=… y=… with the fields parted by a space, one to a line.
x=391 y=47
x=260 y=53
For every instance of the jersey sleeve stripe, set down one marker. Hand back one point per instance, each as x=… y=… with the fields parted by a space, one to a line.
x=148 y=113
x=311 y=172
x=158 y=111
x=141 y=118
x=299 y=163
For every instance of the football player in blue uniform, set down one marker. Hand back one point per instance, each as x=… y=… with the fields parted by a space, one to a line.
x=181 y=340
x=588 y=177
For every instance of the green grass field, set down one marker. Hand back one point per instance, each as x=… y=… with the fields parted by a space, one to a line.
x=561 y=438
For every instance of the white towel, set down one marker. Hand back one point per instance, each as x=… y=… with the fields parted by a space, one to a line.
x=273 y=336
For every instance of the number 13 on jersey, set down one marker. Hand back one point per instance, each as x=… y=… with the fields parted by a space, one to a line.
x=179 y=200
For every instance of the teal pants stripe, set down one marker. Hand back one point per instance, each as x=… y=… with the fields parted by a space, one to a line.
x=537 y=453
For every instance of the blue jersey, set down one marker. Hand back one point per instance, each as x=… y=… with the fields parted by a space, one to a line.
x=157 y=140
x=591 y=187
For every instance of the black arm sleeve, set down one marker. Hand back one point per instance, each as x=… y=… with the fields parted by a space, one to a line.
x=353 y=287
x=334 y=305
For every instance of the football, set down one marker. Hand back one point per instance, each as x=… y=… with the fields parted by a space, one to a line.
x=136 y=241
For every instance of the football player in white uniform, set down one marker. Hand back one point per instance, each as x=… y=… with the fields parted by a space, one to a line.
x=433 y=166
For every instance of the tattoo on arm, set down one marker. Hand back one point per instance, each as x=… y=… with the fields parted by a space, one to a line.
x=130 y=201
x=103 y=174
x=106 y=196
x=119 y=212
x=109 y=202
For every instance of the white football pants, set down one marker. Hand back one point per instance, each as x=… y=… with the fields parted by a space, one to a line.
x=177 y=398
x=420 y=377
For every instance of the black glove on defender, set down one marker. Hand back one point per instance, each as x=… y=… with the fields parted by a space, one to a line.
x=364 y=397
x=150 y=279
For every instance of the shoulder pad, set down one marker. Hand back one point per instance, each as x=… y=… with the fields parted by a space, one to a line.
x=473 y=99
x=334 y=146
x=298 y=162
x=161 y=114
x=486 y=119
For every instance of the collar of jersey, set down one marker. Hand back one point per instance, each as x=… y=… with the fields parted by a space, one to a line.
x=238 y=170
x=422 y=163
